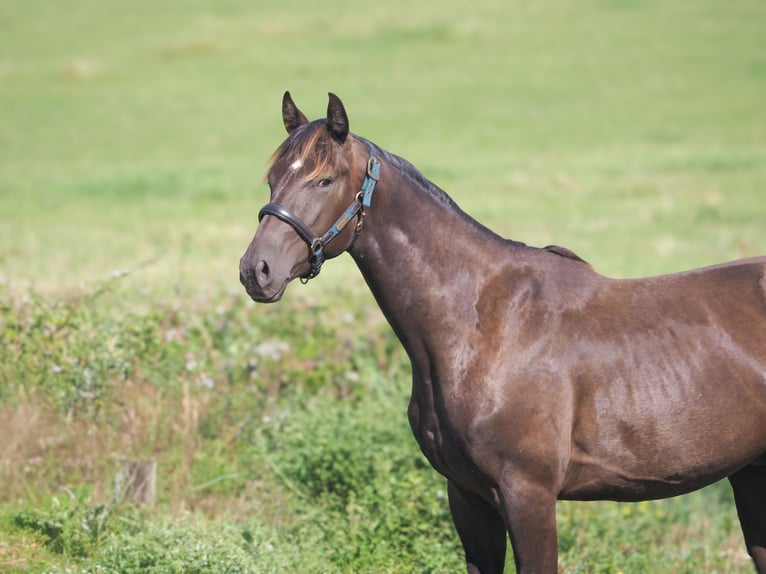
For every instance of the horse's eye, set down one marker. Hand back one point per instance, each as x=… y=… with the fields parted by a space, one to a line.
x=325 y=182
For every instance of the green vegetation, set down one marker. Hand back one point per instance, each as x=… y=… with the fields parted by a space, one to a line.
x=132 y=143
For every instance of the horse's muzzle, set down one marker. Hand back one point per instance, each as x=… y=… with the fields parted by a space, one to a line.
x=259 y=282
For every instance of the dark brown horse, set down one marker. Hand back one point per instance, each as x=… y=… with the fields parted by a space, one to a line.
x=534 y=378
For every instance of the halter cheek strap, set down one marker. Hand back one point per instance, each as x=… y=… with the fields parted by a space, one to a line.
x=315 y=244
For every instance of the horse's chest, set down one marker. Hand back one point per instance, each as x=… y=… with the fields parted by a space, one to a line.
x=439 y=438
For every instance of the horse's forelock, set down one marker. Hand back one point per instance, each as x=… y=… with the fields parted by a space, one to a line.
x=310 y=145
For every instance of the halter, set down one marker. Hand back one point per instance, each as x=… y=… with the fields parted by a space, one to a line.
x=315 y=244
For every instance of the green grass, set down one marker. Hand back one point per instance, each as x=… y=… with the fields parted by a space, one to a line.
x=133 y=139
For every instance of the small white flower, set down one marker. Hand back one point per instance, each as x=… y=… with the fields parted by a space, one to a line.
x=87 y=375
x=272 y=350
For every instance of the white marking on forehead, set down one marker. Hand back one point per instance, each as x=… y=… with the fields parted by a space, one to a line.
x=296 y=165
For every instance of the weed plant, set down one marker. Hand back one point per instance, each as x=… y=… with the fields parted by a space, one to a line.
x=279 y=445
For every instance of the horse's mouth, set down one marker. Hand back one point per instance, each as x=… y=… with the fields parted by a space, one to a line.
x=273 y=299
x=261 y=295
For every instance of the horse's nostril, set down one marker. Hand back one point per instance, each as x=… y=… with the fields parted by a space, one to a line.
x=262 y=271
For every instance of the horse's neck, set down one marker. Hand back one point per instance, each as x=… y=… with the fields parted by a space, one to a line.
x=422 y=259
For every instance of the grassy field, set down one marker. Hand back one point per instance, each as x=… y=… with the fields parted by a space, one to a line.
x=133 y=138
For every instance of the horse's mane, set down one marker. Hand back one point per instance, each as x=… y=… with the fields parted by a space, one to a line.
x=413 y=174
x=410 y=172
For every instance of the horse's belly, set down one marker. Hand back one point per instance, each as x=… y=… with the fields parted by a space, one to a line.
x=629 y=462
x=600 y=482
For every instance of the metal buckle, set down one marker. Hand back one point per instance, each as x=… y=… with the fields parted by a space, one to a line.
x=316 y=247
x=359 y=222
x=373 y=168
x=316 y=259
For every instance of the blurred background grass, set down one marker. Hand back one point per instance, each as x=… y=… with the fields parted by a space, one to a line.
x=630 y=131
x=133 y=138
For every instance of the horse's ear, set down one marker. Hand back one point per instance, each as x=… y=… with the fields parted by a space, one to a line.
x=337 y=120
x=291 y=115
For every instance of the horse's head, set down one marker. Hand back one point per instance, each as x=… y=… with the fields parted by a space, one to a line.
x=315 y=178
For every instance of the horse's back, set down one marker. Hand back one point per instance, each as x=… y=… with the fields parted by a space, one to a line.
x=733 y=294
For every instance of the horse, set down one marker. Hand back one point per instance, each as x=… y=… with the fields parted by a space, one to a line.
x=534 y=378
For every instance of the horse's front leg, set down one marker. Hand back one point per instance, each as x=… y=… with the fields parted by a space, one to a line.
x=481 y=529
x=530 y=511
x=749 y=486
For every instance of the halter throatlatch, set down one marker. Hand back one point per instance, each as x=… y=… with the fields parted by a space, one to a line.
x=316 y=244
